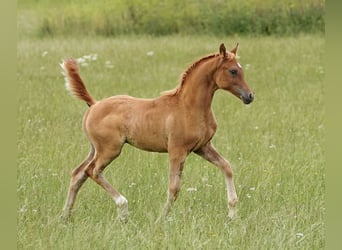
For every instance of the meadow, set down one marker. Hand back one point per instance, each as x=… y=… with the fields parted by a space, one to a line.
x=275 y=146
x=49 y=18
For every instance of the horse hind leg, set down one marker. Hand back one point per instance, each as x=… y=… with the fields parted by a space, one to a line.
x=78 y=177
x=95 y=172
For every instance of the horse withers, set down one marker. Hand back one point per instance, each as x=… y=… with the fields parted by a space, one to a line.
x=178 y=122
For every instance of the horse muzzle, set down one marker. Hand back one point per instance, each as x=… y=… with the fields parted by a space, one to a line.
x=247 y=98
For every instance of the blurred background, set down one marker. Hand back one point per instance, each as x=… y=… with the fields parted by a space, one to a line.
x=48 y=18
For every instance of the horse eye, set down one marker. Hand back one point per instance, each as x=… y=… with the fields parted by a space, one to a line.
x=233 y=72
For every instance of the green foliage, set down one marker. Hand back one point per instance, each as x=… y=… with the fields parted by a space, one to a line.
x=275 y=146
x=154 y=17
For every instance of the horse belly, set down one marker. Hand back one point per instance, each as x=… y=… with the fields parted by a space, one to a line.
x=147 y=133
x=148 y=140
x=141 y=121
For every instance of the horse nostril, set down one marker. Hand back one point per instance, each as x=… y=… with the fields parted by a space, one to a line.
x=251 y=96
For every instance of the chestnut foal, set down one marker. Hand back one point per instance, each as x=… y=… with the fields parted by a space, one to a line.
x=178 y=122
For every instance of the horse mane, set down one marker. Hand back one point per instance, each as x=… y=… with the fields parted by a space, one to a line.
x=186 y=73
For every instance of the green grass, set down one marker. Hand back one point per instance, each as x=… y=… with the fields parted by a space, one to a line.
x=46 y=18
x=275 y=146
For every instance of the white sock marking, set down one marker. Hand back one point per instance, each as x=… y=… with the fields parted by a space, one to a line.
x=121 y=201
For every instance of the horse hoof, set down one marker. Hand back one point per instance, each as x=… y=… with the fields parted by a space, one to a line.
x=232 y=213
x=123 y=213
x=65 y=217
x=123 y=219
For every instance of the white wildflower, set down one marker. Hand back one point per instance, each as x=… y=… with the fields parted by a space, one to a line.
x=94 y=57
x=87 y=57
x=150 y=53
x=299 y=235
x=132 y=185
x=109 y=65
x=23 y=209
x=80 y=60
x=191 y=189
x=204 y=179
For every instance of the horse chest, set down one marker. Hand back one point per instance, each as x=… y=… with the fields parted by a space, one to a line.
x=206 y=123
x=208 y=131
x=201 y=130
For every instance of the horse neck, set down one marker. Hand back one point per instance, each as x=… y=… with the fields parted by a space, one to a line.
x=198 y=89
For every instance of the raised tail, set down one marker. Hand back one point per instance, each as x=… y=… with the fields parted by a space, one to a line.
x=74 y=83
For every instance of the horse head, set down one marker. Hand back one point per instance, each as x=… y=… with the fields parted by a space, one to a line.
x=229 y=75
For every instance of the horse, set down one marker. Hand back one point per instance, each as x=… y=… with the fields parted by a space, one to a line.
x=178 y=122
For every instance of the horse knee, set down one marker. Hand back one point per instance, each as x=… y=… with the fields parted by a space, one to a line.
x=174 y=189
x=77 y=172
x=228 y=172
x=93 y=171
x=232 y=203
x=78 y=175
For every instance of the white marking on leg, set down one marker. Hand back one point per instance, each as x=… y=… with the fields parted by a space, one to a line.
x=231 y=190
x=122 y=204
x=120 y=201
x=232 y=197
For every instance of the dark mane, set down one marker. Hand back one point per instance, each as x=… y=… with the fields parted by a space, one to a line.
x=187 y=72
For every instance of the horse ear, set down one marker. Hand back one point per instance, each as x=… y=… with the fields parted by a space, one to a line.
x=223 y=50
x=234 y=51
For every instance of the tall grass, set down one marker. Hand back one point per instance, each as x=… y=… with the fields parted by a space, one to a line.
x=111 y=18
x=274 y=145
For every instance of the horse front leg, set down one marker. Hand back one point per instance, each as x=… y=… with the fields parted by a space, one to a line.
x=209 y=153
x=176 y=165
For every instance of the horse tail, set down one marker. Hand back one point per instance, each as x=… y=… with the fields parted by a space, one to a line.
x=74 y=83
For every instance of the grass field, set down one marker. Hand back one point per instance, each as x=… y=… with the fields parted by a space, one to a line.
x=275 y=146
x=50 y=18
